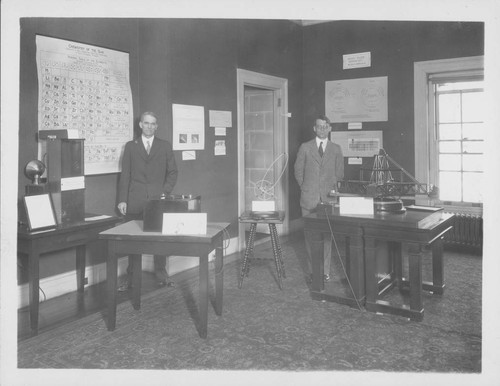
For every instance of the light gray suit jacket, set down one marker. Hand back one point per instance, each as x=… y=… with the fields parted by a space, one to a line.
x=317 y=175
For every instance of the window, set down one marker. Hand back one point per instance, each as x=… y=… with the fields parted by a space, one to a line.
x=459 y=131
x=449 y=131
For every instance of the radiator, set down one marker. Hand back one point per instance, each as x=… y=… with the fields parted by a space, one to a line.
x=467 y=231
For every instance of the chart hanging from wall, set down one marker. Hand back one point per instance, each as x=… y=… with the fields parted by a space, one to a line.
x=86 y=89
x=356 y=100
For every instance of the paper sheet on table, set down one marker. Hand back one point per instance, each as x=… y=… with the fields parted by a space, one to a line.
x=356 y=205
x=95 y=218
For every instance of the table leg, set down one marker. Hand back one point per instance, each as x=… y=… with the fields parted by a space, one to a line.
x=396 y=256
x=437 y=267
x=80 y=267
x=316 y=245
x=371 y=271
x=415 y=273
x=203 y=301
x=272 y=229
x=356 y=266
x=111 y=273
x=219 y=276
x=245 y=266
x=34 y=286
x=136 y=261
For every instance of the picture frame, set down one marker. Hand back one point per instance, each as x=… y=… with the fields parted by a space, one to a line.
x=40 y=212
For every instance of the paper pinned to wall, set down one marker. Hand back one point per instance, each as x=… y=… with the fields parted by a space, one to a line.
x=188 y=123
x=220 y=147
x=356 y=100
x=219 y=118
x=188 y=155
x=358 y=143
x=220 y=131
x=85 y=90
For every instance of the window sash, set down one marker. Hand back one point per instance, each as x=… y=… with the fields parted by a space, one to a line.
x=451 y=166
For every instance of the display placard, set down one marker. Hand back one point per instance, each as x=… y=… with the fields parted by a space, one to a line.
x=40 y=212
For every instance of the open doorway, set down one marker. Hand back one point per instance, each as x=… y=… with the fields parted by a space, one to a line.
x=262 y=146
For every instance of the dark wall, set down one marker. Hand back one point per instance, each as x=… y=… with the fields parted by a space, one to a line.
x=394 y=47
x=184 y=61
x=194 y=62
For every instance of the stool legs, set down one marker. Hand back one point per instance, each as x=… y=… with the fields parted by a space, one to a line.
x=278 y=258
x=277 y=253
x=245 y=266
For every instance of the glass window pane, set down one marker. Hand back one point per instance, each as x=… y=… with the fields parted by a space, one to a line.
x=472 y=162
x=450 y=162
x=449 y=147
x=473 y=146
x=450 y=131
x=473 y=187
x=473 y=130
x=449 y=108
x=450 y=186
x=472 y=107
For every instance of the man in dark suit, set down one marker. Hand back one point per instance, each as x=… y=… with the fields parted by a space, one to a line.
x=148 y=171
x=318 y=168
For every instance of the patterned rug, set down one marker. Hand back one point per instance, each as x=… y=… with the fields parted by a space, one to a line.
x=264 y=328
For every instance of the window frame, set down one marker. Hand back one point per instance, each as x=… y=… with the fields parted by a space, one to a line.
x=425 y=134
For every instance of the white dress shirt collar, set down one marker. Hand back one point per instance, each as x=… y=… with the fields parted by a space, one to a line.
x=318 y=141
x=146 y=140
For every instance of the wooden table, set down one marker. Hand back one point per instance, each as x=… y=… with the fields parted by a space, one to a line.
x=246 y=217
x=75 y=235
x=129 y=238
x=416 y=228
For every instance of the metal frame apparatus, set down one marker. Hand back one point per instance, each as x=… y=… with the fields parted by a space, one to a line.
x=382 y=183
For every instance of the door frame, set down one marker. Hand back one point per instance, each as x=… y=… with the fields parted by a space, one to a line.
x=279 y=86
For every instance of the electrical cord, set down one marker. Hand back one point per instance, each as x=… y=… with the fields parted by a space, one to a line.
x=340 y=259
x=39 y=288
x=226 y=241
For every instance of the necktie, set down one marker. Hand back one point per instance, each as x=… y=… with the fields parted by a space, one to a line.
x=320 y=149
x=148 y=147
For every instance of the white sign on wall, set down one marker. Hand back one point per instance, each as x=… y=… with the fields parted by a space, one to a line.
x=363 y=59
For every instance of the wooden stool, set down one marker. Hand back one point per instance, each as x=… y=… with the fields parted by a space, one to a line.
x=275 y=242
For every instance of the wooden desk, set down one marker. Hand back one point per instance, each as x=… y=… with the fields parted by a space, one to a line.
x=130 y=238
x=34 y=244
x=418 y=229
x=275 y=242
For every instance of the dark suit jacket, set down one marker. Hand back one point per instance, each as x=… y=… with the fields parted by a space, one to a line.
x=145 y=177
x=317 y=175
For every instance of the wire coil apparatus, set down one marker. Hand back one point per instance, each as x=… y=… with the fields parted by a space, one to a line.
x=263 y=189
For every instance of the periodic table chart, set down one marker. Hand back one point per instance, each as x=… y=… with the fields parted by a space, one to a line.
x=85 y=89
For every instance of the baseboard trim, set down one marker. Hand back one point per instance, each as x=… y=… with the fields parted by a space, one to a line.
x=64 y=283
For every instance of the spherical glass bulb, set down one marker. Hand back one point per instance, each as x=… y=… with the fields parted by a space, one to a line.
x=33 y=170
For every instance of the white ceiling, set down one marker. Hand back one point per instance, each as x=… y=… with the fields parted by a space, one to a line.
x=305 y=23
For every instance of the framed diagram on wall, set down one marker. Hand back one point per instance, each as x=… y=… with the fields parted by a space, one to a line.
x=85 y=90
x=356 y=100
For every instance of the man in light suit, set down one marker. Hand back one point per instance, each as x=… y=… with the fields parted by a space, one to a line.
x=318 y=168
x=148 y=171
